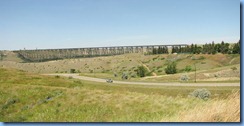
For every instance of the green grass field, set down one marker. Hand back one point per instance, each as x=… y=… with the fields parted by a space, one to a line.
x=31 y=97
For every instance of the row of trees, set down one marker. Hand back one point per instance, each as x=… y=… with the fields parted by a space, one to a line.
x=209 y=48
x=160 y=50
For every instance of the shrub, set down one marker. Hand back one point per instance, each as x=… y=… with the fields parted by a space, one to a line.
x=201 y=58
x=184 y=78
x=133 y=75
x=115 y=74
x=91 y=71
x=160 y=71
x=187 y=68
x=155 y=58
x=78 y=82
x=159 y=67
x=124 y=76
x=201 y=94
x=141 y=71
x=171 y=68
x=233 y=68
x=72 y=70
x=57 y=76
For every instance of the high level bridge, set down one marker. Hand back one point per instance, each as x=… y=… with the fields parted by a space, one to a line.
x=40 y=55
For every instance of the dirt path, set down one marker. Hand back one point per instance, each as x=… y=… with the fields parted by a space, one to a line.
x=146 y=83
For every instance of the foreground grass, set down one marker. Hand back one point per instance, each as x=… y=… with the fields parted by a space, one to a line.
x=29 y=97
x=216 y=110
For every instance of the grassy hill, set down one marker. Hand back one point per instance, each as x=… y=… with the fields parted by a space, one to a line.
x=218 y=67
x=32 y=97
x=126 y=62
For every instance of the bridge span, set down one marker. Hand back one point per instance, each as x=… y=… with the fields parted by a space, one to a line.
x=39 y=55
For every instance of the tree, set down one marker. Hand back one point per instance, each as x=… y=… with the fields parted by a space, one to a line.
x=160 y=50
x=171 y=68
x=192 y=48
x=224 y=47
x=213 y=51
x=173 y=49
x=166 y=50
x=154 y=51
x=236 y=48
x=217 y=47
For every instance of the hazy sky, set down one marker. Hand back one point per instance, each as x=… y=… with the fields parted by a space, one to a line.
x=40 y=24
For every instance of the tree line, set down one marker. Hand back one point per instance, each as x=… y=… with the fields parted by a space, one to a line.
x=212 y=48
x=208 y=48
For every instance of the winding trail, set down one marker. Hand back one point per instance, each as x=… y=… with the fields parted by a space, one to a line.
x=147 y=83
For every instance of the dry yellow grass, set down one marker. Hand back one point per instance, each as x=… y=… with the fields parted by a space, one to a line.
x=227 y=110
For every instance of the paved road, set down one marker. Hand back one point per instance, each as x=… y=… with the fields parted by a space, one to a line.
x=146 y=83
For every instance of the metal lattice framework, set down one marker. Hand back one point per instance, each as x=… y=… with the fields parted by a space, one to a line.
x=40 y=55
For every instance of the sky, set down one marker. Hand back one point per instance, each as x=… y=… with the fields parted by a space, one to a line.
x=45 y=24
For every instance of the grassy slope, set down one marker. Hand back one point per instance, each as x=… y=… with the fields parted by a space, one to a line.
x=31 y=97
x=126 y=63
x=215 y=68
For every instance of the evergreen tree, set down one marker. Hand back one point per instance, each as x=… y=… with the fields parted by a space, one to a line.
x=173 y=49
x=192 y=48
x=222 y=46
x=236 y=48
x=154 y=51
x=217 y=48
x=213 y=51
x=166 y=50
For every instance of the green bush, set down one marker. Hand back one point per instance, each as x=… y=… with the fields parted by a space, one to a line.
x=171 y=68
x=160 y=71
x=201 y=94
x=57 y=76
x=115 y=75
x=133 y=75
x=201 y=58
x=72 y=70
x=141 y=71
x=233 y=68
x=188 y=68
x=124 y=76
